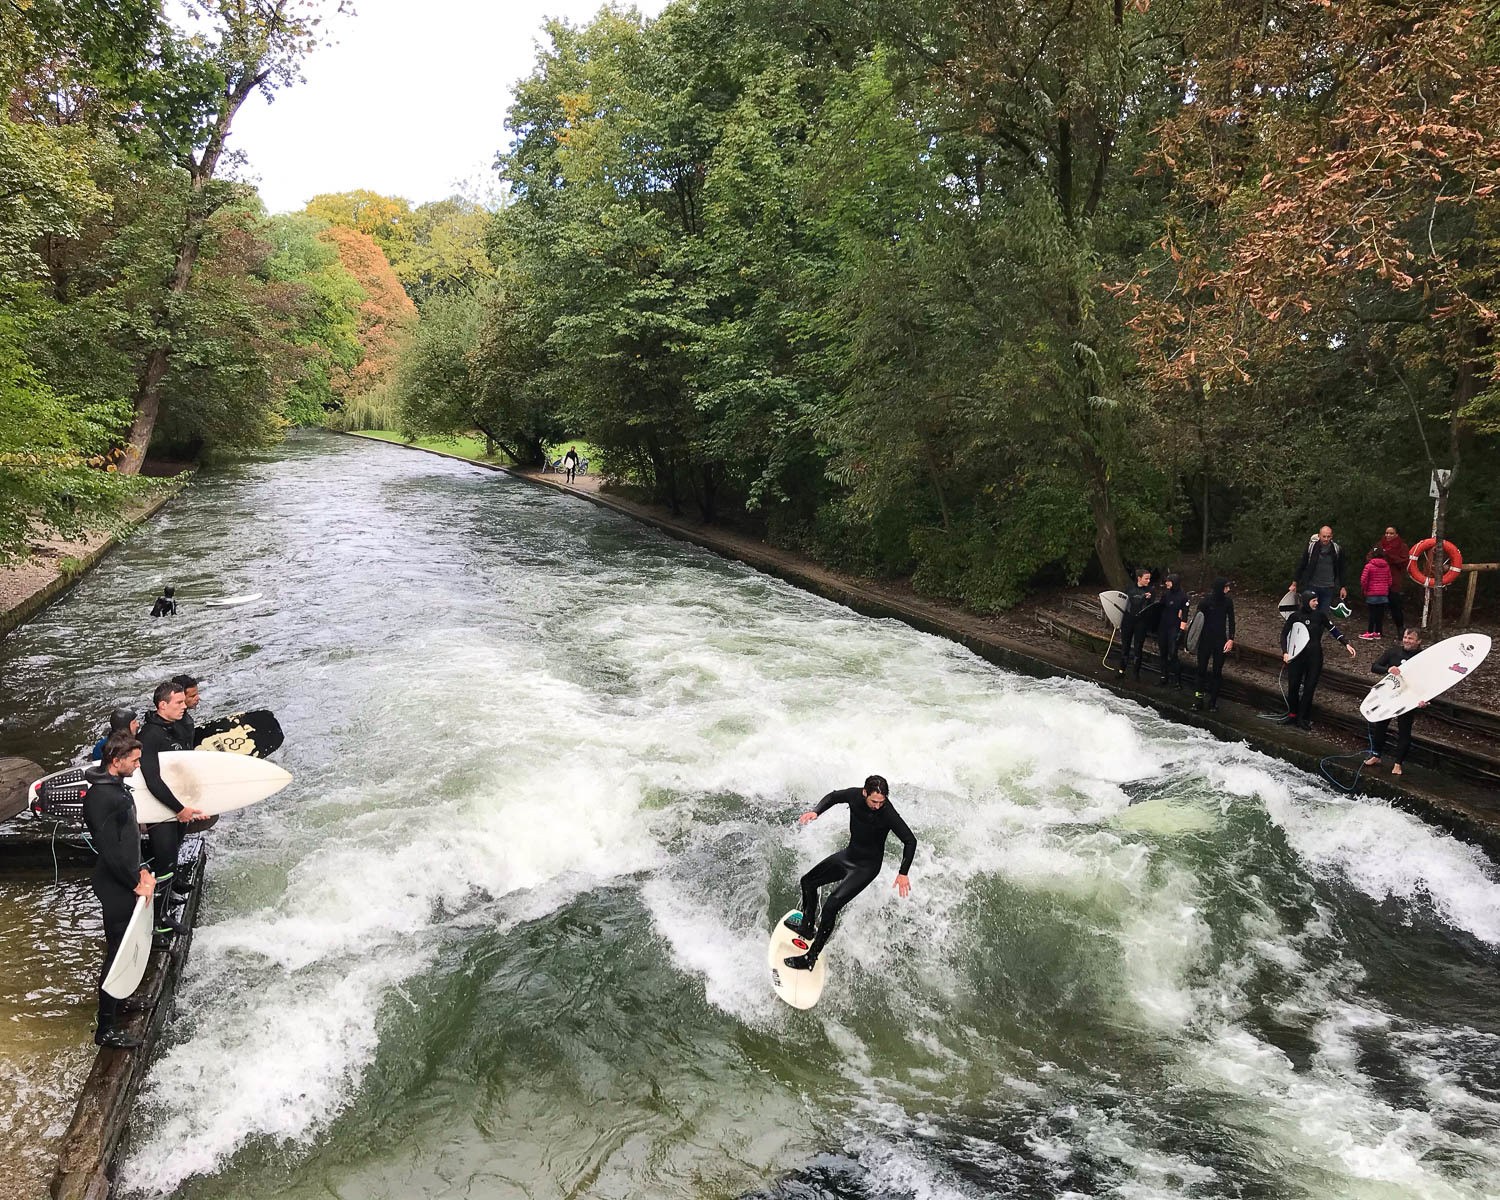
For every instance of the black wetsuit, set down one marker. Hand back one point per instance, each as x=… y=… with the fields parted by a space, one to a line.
x=1380 y=730
x=183 y=729
x=1132 y=628
x=1305 y=670
x=109 y=813
x=853 y=868
x=157 y=736
x=1218 y=627
x=165 y=606
x=1169 y=631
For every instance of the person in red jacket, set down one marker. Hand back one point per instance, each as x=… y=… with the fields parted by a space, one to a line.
x=1396 y=553
x=1375 y=582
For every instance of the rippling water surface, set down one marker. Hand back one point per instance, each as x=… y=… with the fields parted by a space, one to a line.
x=504 y=936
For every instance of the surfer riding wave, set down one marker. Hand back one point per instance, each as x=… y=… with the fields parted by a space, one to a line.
x=871 y=818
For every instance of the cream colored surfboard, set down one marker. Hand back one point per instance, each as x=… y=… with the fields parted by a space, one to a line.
x=205 y=779
x=1425 y=676
x=800 y=989
x=128 y=966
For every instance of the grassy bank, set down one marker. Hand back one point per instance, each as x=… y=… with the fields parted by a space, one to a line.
x=464 y=447
x=467 y=447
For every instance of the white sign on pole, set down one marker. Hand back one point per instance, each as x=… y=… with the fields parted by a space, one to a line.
x=1439 y=479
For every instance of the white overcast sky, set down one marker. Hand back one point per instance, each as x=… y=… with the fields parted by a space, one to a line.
x=410 y=100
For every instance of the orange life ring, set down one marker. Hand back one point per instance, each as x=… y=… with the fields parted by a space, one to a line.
x=1426 y=546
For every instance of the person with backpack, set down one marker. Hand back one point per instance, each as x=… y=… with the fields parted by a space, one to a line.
x=1375 y=583
x=1321 y=570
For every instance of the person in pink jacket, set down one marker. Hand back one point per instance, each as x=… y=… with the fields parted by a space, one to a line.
x=1375 y=582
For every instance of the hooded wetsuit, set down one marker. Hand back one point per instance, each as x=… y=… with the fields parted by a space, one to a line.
x=109 y=813
x=1218 y=628
x=1305 y=670
x=853 y=868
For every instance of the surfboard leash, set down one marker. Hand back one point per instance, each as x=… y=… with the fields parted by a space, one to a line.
x=1358 y=770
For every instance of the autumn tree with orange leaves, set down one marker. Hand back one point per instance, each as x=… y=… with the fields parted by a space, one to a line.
x=1335 y=171
x=386 y=314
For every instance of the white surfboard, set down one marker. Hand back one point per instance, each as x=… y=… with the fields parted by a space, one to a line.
x=800 y=989
x=1296 y=641
x=1113 y=604
x=206 y=779
x=1287 y=605
x=1194 y=632
x=232 y=601
x=1425 y=675
x=128 y=966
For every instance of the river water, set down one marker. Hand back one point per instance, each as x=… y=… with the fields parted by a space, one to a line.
x=504 y=935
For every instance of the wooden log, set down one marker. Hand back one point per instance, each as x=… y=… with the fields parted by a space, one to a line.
x=86 y=1162
x=16 y=775
x=1472 y=571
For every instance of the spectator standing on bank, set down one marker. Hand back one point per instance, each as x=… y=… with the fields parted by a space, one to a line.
x=1397 y=553
x=1321 y=570
x=1375 y=583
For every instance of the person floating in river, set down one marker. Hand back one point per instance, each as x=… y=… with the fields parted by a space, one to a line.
x=122 y=720
x=1307 y=667
x=852 y=869
x=165 y=605
x=119 y=877
x=159 y=733
x=1389 y=663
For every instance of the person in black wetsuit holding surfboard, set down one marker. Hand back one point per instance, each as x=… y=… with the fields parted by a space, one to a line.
x=1389 y=663
x=852 y=869
x=1305 y=670
x=160 y=732
x=118 y=877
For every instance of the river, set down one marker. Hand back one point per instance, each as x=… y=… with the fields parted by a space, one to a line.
x=504 y=935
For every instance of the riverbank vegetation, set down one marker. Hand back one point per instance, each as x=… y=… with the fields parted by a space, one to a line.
x=986 y=295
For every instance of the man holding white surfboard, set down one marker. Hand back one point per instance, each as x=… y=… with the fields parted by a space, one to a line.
x=1390 y=663
x=871 y=818
x=159 y=734
x=118 y=877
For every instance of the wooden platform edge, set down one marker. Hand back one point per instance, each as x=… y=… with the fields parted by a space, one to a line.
x=86 y=1159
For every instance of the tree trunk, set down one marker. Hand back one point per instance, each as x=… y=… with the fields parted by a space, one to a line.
x=1106 y=536
x=200 y=174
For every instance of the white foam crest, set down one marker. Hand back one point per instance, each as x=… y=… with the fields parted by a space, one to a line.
x=1385 y=853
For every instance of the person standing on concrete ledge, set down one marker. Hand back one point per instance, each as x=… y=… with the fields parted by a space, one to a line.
x=570 y=462
x=1389 y=663
x=119 y=877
